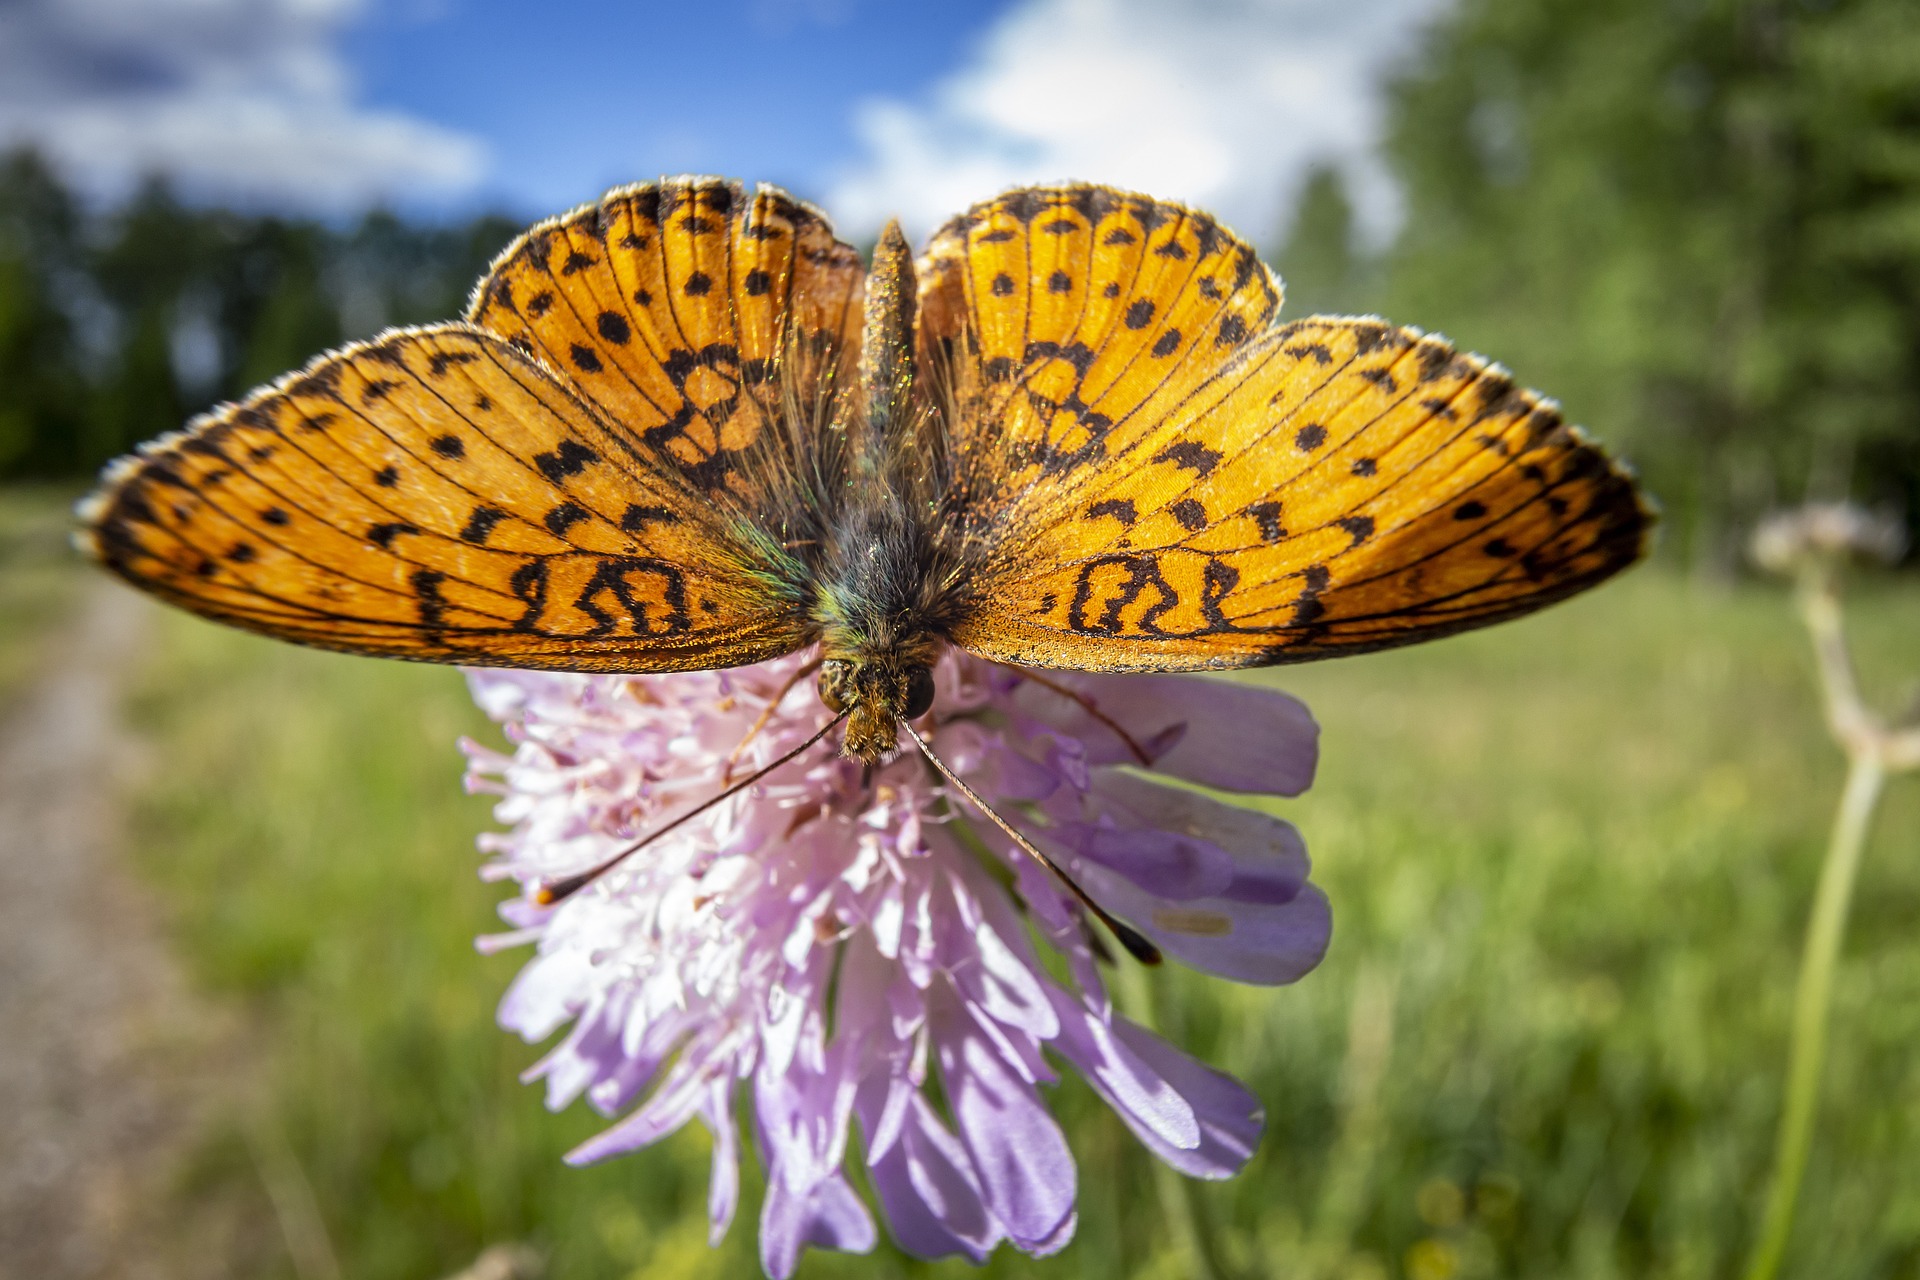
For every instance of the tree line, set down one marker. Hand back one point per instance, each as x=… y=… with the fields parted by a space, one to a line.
x=118 y=324
x=1696 y=222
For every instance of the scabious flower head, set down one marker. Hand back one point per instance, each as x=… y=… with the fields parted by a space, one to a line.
x=834 y=948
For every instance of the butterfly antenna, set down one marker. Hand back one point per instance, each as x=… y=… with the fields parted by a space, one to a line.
x=552 y=891
x=1137 y=946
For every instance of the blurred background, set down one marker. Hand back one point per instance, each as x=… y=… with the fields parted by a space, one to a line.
x=1570 y=858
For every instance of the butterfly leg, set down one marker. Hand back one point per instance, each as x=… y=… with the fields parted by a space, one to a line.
x=726 y=774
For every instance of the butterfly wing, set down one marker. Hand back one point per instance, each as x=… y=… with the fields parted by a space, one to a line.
x=586 y=478
x=705 y=323
x=1177 y=482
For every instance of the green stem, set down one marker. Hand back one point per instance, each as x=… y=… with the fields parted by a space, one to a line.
x=1824 y=933
x=1135 y=997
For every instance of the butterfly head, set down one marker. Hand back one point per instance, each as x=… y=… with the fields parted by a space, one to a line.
x=876 y=694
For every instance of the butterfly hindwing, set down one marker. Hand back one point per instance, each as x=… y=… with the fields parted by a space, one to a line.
x=1258 y=492
x=438 y=494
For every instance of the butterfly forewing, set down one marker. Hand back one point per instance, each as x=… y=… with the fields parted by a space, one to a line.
x=695 y=317
x=1197 y=486
x=438 y=494
x=1072 y=319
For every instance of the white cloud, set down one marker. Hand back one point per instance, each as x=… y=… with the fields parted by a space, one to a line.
x=1219 y=103
x=235 y=99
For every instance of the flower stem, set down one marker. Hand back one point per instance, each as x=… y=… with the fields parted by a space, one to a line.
x=1864 y=777
x=1190 y=1241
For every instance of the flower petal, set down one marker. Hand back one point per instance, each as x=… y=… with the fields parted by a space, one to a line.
x=1017 y=1150
x=1237 y=736
x=931 y=1199
x=1247 y=939
x=723 y=1185
x=1202 y=1122
x=829 y=1216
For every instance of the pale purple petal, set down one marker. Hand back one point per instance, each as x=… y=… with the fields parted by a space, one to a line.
x=1225 y=734
x=1018 y=1152
x=1201 y=1121
x=828 y=1216
x=932 y=1200
x=723 y=1188
x=1246 y=939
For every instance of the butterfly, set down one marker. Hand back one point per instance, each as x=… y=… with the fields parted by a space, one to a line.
x=685 y=428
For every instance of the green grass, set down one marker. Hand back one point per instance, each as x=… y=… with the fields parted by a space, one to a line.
x=1570 y=861
x=37 y=578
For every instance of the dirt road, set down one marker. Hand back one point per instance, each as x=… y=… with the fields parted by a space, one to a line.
x=102 y=1051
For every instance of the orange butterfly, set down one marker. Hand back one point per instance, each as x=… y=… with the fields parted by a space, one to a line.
x=683 y=428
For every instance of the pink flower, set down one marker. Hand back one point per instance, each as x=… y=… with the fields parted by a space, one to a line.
x=832 y=947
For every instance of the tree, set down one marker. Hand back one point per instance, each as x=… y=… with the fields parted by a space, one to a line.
x=1690 y=222
x=1318 y=261
x=41 y=386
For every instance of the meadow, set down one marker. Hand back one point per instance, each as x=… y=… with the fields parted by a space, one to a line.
x=1570 y=860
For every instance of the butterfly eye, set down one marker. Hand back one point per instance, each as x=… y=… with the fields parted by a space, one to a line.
x=919 y=698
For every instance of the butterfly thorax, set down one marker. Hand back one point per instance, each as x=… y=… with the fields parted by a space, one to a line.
x=884 y=589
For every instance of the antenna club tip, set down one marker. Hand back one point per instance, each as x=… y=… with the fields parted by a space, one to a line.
x=545 y=895
x=1137 y=946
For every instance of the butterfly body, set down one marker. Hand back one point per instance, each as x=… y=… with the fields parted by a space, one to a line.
x=686 y=428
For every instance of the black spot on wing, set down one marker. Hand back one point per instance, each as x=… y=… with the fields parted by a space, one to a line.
x=563 y=518
x=1190 y=454
x=1266 y=517
x=480 y=523
x=614 y=328
x=569 y=458
x=382 y=535
x=1360 y=528
x=638 y=517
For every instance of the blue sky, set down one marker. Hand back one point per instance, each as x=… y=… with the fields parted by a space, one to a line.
x=869 y=107
x=579 y=98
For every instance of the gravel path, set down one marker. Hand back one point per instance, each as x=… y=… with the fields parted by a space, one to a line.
x=102 y=1051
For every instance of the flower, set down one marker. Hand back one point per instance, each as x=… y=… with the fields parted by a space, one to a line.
x=1822 y=532
x=830 y=944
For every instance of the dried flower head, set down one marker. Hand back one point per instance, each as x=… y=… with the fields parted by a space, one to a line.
x=1826 y=532
x=839 y=949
